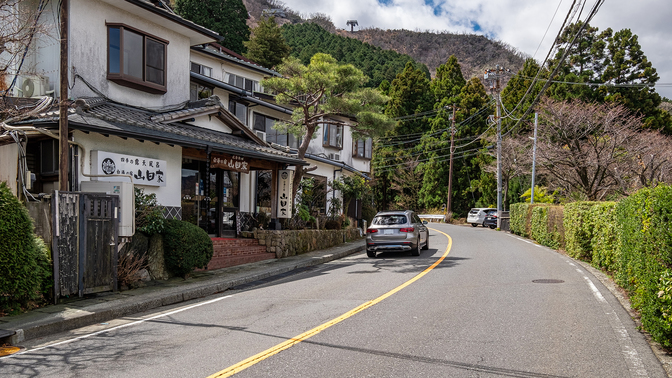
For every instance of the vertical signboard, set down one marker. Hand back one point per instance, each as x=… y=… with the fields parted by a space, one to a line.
x=285 y=178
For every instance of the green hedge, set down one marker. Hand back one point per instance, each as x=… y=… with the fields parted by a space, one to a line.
x=578 y=229
x=518 y=218
x=645 y=259
x=25 y=264
x=546 y=225
x=604 y=243
x=186 y=247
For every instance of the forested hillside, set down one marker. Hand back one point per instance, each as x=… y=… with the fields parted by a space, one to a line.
x=378 y=64
x=474 y=52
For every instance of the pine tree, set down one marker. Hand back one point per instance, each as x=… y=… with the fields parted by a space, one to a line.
x=267 y=46
x=228 y=18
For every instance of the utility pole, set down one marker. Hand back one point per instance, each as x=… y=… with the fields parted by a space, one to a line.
x=449 y=208
x=64 y=155
x=495 y=89
x=534 y=154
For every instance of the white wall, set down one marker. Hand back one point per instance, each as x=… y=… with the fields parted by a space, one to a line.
x=9 y=156
x=169 y=195
x=88 y=54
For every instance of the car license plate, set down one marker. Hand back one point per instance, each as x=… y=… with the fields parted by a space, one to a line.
x=388 y=232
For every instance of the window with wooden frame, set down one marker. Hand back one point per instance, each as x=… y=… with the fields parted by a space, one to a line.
x=135 y=59
x=362 y=148
x=332 y=135
x=200 y=69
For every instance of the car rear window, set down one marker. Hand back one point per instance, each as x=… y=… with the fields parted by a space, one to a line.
x=387 y=220
x=474 y=211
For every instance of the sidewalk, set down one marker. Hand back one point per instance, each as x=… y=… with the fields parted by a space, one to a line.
x=80 y=312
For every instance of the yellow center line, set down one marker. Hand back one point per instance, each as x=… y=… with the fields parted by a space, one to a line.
x=233 y=369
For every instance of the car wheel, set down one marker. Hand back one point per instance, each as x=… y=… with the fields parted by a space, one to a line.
x=484 y=224
x=492 y=227
x=474 y=225
x=416 y=251
x=426 y=242
x=371 y=254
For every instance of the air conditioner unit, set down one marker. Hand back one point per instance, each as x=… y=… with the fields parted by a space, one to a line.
x=34 y=86
x=261 y=135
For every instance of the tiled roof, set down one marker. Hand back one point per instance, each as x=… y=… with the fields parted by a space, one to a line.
x=101 y=115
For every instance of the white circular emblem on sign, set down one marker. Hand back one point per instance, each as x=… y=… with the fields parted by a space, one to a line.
x=108 y=166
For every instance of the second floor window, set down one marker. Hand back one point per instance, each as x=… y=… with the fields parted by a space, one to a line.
x=243 y=83
x=239 y=110
x=201 y=69
x=362 y=148
x=265 y=124
x=135 y=59
x=332 y=136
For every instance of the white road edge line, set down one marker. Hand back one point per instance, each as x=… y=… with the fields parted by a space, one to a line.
x=630 y=355
x=119 y=327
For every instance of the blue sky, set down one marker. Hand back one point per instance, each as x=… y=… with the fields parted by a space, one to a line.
x=520 y=23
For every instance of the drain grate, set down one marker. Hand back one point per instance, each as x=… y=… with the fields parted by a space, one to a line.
x=548 y=280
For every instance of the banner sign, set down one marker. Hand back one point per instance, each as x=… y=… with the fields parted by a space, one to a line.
x=285 y=178
x=230 y=162
x=145 y=171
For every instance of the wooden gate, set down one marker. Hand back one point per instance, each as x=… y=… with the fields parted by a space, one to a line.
x=84 y=243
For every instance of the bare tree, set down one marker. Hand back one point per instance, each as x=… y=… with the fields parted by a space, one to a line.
x=652 y=159
x=585 y=148
x=516 y=161
x=19 y=27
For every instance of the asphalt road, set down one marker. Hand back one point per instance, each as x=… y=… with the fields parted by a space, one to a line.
x=478 y=312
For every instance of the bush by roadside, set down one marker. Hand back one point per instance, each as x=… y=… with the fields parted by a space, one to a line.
x=25 y=262
x=186 y=247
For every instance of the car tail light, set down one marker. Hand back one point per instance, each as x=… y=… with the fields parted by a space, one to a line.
x=409 y=229
x=371 y=230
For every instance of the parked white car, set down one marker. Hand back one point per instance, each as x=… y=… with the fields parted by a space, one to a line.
x=477 y=215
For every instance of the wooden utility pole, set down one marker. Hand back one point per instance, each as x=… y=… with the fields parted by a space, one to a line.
x=449 y=208
x=64 y=155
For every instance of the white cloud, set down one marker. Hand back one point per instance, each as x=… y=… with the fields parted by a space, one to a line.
x=520 y=23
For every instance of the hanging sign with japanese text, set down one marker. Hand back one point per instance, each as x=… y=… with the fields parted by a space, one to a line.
x=230 y=162
x=145 y=171
x=285 y=179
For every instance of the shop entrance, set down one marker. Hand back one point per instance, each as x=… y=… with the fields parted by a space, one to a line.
x=210 y=198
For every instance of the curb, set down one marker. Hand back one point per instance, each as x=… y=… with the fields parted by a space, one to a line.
x=76 y=318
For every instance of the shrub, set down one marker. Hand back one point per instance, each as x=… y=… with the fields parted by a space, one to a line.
x=25 y=266
x=604 y=243
x=644 y=220
x=186 y=247
x=546 y=226
x=518 y=218
x=148 y=214
x=579 y=228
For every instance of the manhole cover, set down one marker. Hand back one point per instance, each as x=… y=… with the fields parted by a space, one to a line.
x=548 y=281
x=7 y=350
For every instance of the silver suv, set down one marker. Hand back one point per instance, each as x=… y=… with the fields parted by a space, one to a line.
x=396 y=231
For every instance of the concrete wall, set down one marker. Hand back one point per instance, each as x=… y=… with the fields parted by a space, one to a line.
x=9 y=156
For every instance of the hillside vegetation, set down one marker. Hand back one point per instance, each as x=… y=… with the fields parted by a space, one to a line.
x=474 y=52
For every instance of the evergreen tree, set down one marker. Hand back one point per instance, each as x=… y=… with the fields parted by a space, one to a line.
x=321 y=90
x=267 y=46
x=515 y=91
x=618 y=69
x=228 y=18
x=409 y=95
x=446 y=88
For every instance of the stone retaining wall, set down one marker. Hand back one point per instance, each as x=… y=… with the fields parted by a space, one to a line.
x=295 y=242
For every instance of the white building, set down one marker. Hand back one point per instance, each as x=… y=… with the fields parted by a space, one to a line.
x=157 y=102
